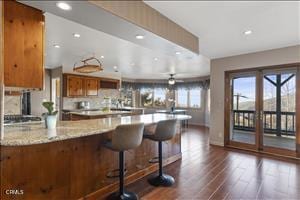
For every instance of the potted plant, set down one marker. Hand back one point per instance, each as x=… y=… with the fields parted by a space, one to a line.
x=50 y=116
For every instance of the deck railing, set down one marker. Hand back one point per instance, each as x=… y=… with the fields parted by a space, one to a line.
x=245 y=120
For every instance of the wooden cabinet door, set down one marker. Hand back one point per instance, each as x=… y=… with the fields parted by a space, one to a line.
x=91 y=86
x=75 y=86
x=109 y=84
x=23 y=46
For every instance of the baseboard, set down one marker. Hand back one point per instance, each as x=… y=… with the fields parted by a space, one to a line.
x=101 y=193
x=217 y=143
x=198 y=124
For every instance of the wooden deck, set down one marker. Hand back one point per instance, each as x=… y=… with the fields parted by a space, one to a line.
x=210 y=172
x=271 y=140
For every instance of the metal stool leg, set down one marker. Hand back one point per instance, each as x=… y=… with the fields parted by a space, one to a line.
x=122 y=194
x=162 y=179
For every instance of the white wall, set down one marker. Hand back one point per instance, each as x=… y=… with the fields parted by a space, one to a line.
x=252 y=60
x=37 y=97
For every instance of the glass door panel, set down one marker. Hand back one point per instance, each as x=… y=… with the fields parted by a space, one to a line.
x=243 y=109
x=279 y=110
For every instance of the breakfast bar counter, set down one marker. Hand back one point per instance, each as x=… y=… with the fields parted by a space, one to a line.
x=71 y=162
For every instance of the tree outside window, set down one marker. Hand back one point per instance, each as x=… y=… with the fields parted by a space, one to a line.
x=147 y=97
x=159 y=97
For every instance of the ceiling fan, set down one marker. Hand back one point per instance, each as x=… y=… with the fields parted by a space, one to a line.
x=172 y=80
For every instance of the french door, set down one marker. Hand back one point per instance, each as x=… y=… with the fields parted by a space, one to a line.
x=262 y=110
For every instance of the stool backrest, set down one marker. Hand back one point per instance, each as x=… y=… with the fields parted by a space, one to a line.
x=128 y=136
x=165 y=130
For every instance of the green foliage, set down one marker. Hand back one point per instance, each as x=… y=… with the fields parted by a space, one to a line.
x=49 y=106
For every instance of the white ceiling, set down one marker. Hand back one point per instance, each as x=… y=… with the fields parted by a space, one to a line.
x=220 y=25
x=133 y=60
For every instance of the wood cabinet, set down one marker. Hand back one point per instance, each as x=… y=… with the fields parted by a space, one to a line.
x=91 y=86
x=85 y=86
x=109 y=83
x=23 y=46
x=74 y=86
x=80 y=86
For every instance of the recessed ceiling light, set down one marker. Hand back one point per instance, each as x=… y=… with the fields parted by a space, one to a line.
x=156 y=59
x=177 y=53
x=101 y=56
x=248 y=32
x=77 y=35
x=56 y=46
x=139 y=37
x=115 y=67
x=63 y=6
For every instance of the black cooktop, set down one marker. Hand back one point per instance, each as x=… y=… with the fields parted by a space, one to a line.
x=11 y=119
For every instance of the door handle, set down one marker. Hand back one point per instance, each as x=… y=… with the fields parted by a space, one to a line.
x=261 y=115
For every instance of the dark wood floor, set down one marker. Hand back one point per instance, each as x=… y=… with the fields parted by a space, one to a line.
x=210 y=172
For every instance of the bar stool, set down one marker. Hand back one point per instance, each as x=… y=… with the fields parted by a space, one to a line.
x=165 y=130
x=125 y=137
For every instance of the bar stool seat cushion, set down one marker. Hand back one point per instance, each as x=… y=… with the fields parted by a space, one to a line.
x=165 y=130
x=125 y=137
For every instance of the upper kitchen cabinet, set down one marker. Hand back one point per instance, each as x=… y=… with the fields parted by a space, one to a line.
x=109 y=83
x=80 y=86
x=23 y=46
x=74 y=86
x=85 y=86
x=91 y=86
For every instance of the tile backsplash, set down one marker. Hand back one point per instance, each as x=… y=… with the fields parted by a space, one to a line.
x=95 y=102
x=12 y=105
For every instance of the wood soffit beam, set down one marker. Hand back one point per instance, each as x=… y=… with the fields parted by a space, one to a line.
x=144 y=16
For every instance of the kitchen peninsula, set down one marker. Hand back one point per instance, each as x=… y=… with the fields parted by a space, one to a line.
x=96 y=114
x=74 y=164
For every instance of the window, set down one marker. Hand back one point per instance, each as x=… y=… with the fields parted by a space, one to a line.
x=195 y=98
x=159 y=97
x=147 y=97
x=153 y=97
x=182 y=98
x=127 y=96
x=188 y=98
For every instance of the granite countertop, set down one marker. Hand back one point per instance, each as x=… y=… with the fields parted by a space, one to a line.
x=170 y=111
x=30 y=134
x=132 y=108
x=100 y=109
x=99 y=113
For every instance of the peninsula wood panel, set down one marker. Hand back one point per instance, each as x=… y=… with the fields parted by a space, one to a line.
x=75 y=168
x=23 y=46
x=139 y=13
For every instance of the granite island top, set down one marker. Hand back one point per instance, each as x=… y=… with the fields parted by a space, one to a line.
x=36 y=133
x=127 y=108
x=99 y=113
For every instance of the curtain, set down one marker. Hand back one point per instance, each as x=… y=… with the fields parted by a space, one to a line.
x=192 y=85
x=204 y=84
